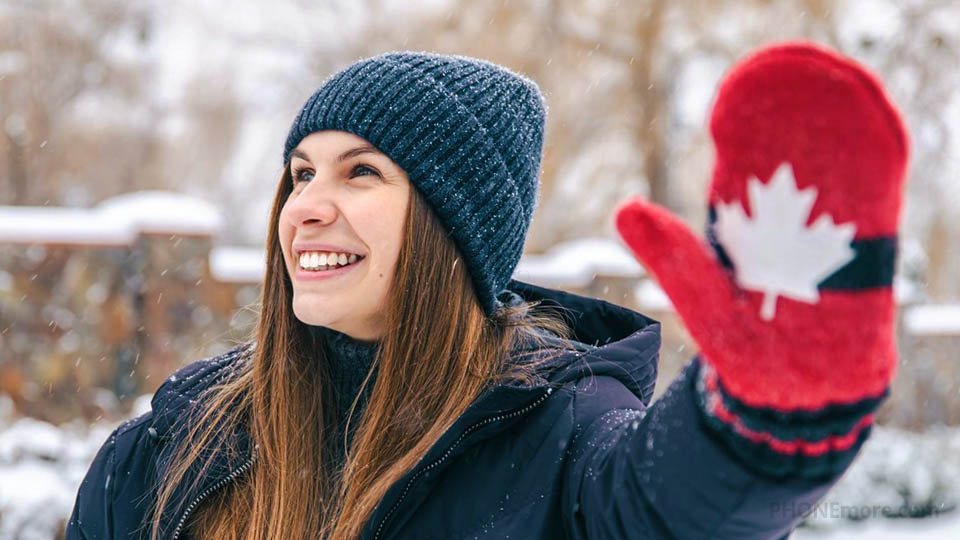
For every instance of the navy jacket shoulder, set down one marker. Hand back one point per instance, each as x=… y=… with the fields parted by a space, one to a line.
x=115 y=497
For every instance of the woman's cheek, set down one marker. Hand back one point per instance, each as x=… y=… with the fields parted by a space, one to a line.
x=285 y=232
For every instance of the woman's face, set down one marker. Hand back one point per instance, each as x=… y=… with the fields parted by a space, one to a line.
x=351 y=199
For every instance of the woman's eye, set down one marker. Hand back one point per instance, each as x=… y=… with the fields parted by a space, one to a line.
x=298 y=175
x=361 y=168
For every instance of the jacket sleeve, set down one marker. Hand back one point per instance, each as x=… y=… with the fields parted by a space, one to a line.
x=671 y=472
x=108 y=503
x=92 y=511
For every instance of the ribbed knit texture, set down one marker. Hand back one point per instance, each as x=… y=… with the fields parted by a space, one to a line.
x=468 y=133
x=350 y=360
x=818 y=443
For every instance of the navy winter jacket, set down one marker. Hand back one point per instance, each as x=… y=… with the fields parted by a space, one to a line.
x=580 y=458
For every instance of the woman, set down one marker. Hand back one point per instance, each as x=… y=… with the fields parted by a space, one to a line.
x=400 y=385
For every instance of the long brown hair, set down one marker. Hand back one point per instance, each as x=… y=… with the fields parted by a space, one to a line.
x=439 y=354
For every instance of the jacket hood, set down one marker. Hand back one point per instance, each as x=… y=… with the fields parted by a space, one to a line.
x=612 y=340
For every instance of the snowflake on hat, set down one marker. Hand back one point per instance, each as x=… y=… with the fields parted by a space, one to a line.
x=790 y=296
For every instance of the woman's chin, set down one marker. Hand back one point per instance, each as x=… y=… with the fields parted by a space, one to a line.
x=312 y=315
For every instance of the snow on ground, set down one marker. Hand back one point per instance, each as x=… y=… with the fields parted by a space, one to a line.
x=896 y=472
x=939 y=528
x=41 y=467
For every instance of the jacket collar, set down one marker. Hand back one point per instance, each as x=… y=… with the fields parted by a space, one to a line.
x=612 y=340
x=618 y=341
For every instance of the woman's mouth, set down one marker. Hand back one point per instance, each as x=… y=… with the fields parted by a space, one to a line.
x=323 y=264
x=325 y=260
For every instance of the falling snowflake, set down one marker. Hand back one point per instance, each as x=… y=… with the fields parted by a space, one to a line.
x=774 y=251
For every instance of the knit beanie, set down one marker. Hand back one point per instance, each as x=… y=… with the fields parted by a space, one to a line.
x=469 y=135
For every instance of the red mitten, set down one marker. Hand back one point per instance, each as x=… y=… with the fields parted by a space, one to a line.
x=790 y=298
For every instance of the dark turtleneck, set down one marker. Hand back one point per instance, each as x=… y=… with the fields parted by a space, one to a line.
x=349 y=361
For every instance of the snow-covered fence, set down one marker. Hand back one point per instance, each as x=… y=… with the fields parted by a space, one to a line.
x=105 y=302
x=102 y=303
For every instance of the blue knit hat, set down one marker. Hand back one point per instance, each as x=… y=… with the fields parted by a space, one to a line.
x=469 y=135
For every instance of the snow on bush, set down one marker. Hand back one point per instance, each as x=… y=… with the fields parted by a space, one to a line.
x=897 y=474
x=41 y=467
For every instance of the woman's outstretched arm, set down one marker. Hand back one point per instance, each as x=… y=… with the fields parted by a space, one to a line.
x=790 y=302
x=669 y=472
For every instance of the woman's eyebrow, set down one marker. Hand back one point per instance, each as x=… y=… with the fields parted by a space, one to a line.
x=353 y=152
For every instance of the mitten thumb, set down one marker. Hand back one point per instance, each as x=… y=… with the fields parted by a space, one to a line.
x=684 y=265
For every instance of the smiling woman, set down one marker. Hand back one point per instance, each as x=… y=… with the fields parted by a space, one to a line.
x=387 y=309
x=401 y=385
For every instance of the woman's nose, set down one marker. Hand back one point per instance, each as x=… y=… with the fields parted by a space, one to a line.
x=313 y=207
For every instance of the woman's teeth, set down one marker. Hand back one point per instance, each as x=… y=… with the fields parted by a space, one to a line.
x=323 y=260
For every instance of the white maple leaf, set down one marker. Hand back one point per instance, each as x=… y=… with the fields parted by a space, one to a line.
x=774 y=251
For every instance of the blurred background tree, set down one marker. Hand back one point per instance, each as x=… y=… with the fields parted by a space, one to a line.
x=100 y=97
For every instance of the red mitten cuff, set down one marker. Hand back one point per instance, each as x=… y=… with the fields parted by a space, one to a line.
x=812 y=444
x=790 y=298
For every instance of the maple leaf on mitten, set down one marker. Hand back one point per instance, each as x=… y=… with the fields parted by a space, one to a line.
x=774 y=251
x=789 y=298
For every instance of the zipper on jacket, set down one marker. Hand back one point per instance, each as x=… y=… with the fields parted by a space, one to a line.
x=246 y=465
x=203 y=495
x=446 y=454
